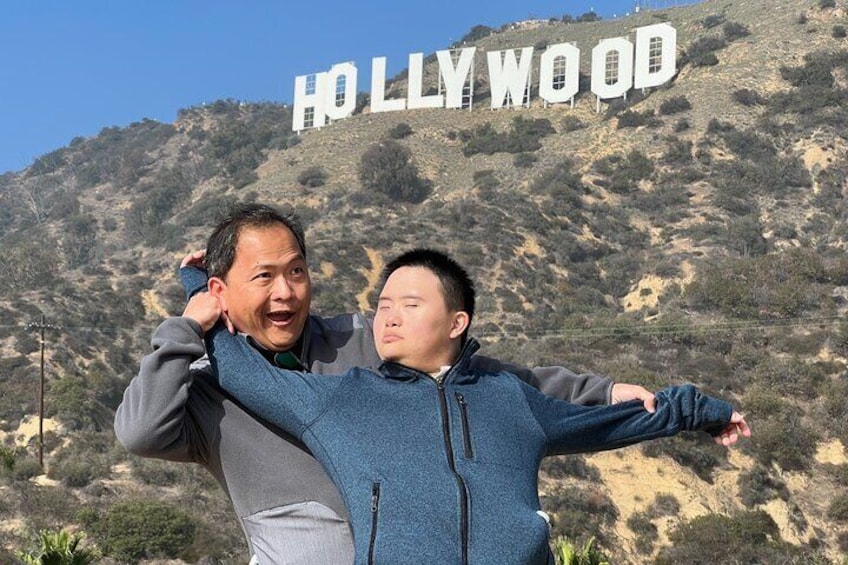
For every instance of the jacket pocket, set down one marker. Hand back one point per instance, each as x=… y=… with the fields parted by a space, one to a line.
x=466 y=430
x=375 y=518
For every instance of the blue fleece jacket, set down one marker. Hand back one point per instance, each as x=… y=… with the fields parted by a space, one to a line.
x=443 y=472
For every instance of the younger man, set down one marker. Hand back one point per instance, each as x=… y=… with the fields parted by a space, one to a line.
x=437 y=462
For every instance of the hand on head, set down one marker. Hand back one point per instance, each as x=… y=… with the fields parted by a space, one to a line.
x=204 y=308
x=194 y=259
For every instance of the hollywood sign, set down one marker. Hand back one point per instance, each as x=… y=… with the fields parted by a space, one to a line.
x=617 y=66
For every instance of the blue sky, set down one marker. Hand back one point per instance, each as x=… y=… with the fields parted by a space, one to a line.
x=69 y=69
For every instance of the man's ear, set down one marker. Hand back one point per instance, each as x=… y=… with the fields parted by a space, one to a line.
x=217 y=288
x=459 y=324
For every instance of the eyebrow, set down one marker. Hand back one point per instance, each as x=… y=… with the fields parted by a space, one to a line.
x=275 y=264
x=402 y=297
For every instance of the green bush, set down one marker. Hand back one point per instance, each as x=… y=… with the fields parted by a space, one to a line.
x=835 y=405
x=312 y=177
x=562 y=184
x=772 y=285
x=46 y=507
x=156 y=472
x=578 y=513
x=839 y=472
x=26 y=468
x=476 y=33
x=674 y=105
x=589 y=16
x=524 y=136
x=7 y=458
x=781 y=437
x=664 y=505
x=388 y=169
x=625 y=173
x=748 y=537
x=815 y=72
x=678 y=153
x=524 y=160
x=570 y=466
x=701 y=52
x=748 y=97
x=713 y=20
x=633 y=119
x=696 y=451
x=572 y=123
x=839 y=32
x=400 y=131
x=745 y=236
x=827 y=4
x=757 y=486
x=733 y=31
x=144 y=529
x=837 y=510
x=646 y=531
x=76 y=472
x=486 y=180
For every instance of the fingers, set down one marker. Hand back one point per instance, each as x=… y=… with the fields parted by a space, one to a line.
x=736 y=428
x=194 y=259
x=739 y=421
x=227 y=322
x=650 y=403
x=623 y=392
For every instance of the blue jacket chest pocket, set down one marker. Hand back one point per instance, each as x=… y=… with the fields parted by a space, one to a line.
x=497 y=431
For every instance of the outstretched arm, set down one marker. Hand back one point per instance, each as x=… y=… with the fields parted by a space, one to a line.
x=571 y=429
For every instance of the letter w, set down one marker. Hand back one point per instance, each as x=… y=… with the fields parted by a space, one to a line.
x=510 y=78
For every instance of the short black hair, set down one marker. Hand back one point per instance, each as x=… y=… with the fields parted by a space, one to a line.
x=221 y=247
x=457 y=286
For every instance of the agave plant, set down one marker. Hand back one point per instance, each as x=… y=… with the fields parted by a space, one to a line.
x=566 y=553
x=59 y=548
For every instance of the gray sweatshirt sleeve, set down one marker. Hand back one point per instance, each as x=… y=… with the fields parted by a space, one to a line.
x=155 y=418
x=585 y=389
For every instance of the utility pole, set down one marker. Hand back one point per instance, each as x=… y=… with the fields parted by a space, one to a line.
x=41 y=326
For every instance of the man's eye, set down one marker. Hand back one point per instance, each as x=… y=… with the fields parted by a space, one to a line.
x=262 y=276
x=412 y=305
x=298 y=271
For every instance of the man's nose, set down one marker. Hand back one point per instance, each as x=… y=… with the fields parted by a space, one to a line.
x=282 y=289
x=392 y=319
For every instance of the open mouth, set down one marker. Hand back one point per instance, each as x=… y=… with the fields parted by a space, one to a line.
x=280 y=318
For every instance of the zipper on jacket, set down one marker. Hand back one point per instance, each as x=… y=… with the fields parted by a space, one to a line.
x=466 y=430
x=463 y=491
x=375 y=507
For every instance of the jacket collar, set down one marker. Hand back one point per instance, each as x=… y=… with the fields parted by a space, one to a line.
x=301 y=362
x=458 y=372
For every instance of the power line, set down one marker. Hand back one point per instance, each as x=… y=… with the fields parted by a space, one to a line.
x=672 y=329
x=578 y=333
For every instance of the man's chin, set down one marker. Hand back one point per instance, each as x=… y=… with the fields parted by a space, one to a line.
x=276 y=342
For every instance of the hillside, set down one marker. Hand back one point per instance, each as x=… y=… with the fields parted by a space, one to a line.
x=695 y=232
